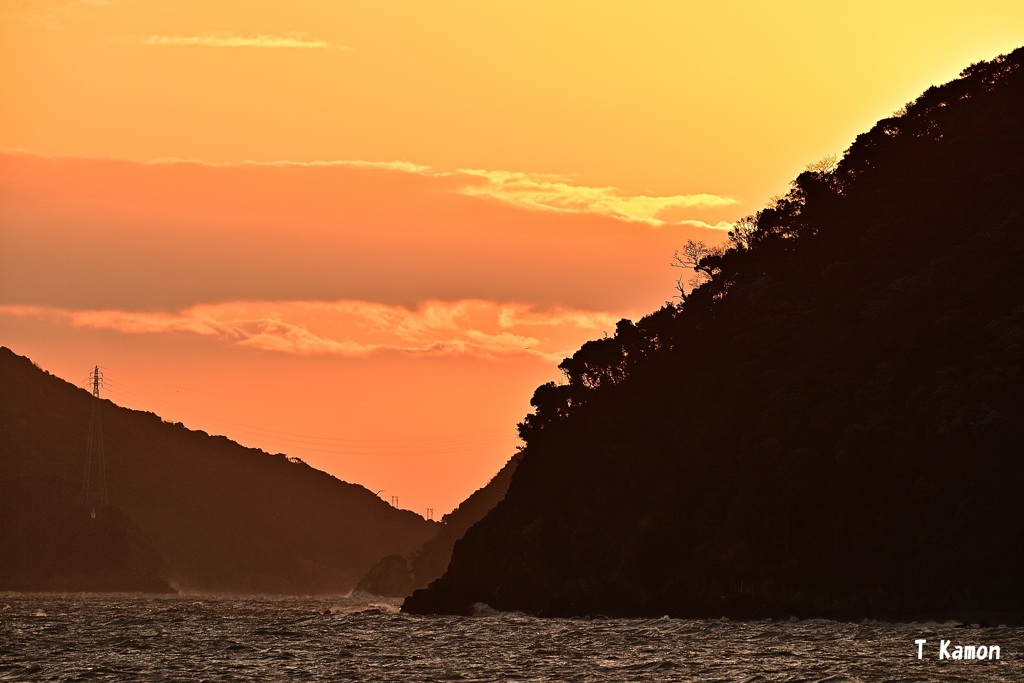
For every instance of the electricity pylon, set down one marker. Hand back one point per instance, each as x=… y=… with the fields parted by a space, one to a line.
x=94 y=484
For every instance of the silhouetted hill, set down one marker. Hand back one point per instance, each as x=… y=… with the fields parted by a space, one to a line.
x=397 y=576
x=830 y=425
x=196 y=511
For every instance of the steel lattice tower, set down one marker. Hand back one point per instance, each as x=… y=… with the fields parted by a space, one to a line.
x=94 y=484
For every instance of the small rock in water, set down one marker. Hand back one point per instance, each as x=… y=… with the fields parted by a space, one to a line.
x=371 y=610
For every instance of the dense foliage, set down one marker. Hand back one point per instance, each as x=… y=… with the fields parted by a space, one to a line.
x=830 y=423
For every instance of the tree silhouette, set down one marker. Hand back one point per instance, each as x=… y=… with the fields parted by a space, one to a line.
x=693 y=257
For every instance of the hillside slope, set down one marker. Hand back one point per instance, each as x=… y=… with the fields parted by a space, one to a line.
x=830 y=425
x=186 y=510
x=397 y=576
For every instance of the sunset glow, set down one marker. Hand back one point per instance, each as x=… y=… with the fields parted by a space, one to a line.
x=362 y=233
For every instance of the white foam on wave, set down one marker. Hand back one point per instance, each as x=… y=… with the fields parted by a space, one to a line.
x=482 y=609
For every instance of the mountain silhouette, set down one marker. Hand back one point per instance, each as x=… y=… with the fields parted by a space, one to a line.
x=828 y=424
x=398 y=576
x=184 y=510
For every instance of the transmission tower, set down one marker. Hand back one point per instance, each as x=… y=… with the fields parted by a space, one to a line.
x=430 y=513
x=394 y=501
x=94 y=484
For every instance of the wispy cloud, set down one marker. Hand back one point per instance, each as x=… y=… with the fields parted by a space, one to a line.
x=720 y=225
x=557 y=193
x=282 y=337
x=402 y=166
x=298 y=41
x=537 y=192
x=520 y=316
x=395 y=232
x=356 y=328
x=58 y=17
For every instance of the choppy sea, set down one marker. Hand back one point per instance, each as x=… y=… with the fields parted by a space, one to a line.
x=47 y=637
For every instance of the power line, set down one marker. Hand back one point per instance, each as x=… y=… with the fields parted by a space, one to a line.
x=439 y=444
x=466 y=438
x=118 y=388
x=383 y=406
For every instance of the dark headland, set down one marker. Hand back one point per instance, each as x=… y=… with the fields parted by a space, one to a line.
x=831 y=425
x=185 y=510
x=398 y=576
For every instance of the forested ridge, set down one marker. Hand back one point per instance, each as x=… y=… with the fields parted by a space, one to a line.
x=829 y=424
x=185 y=510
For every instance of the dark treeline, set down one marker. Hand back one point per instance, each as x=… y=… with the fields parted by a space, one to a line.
x=829 y=424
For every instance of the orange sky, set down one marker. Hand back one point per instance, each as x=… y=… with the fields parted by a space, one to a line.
x=361 y=233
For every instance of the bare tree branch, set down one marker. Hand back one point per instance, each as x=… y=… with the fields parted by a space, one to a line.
x=826 y=165
x=690 y=258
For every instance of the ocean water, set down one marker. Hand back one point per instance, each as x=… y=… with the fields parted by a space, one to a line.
x=46 y=637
